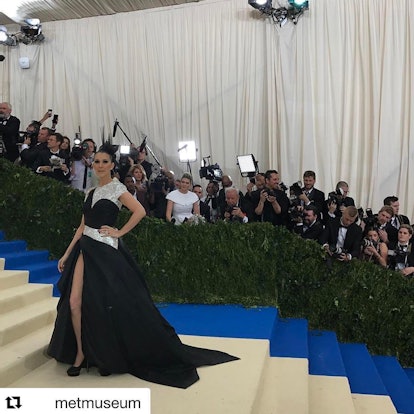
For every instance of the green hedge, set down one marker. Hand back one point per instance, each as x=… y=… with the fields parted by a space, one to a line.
x=253 y=265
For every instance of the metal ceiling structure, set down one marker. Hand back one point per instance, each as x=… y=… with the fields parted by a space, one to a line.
x=52 y=10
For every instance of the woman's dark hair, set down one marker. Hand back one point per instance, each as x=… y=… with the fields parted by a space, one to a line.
x=109 y=149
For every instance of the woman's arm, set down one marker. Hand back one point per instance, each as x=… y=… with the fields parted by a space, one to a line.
x=383 y=255
x=196 y=208
x=138 y=213
x=168 y=213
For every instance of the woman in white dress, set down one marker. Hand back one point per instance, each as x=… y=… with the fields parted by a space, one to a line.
x=182 y=203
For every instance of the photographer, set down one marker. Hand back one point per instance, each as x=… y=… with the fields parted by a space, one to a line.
x=236 y=209
x=51 y=162
x=373 y=249
x=312 y=196
x=82 y=156
x=341 y=238
x=398 y=218
x=32 y=146
x=271 y=203
x=210 y=199
x=382 y=221
x=338 y=200
x=401 y=258
x=309 y=227
x=9 y=133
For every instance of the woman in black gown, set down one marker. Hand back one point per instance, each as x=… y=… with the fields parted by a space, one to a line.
x=106 y=317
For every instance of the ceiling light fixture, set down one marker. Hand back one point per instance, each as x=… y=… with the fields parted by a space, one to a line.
x=280 y=15
x=30 y=32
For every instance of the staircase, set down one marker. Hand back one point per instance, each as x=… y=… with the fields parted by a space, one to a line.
x=284 y=367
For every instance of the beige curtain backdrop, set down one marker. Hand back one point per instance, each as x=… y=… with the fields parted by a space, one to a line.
x=333 y=94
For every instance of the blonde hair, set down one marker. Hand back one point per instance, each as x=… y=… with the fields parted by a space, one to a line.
x=138 y=167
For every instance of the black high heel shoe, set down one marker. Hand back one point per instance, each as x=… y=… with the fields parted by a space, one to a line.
x=103 y=372
x=75 y=371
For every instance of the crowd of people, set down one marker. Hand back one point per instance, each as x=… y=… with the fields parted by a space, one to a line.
x=344 y=231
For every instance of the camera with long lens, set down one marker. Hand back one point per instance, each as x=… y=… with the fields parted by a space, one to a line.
x=269 y=192
x=335 y=197
x=210 y=172
x=336 y=251
x=295 y=190
x=370 y=220
x=366 y=242
x=158 y=180
x=78 y=148
x=32 y=135
x=31 y=132
x=282 y=186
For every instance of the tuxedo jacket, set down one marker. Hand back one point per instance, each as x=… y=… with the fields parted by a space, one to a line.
x=353 y=237
x=205 y=211
x=313 y=232
x=9 y=130
x=317 y=198
x=28 y=155
x=392 y=233
x=43 y=158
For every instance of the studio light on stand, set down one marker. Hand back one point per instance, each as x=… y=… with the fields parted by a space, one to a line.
x=187 y=152
x=6 y=39
x=248 y=165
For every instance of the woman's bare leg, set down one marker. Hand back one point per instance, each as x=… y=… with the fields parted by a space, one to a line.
x=76 y=306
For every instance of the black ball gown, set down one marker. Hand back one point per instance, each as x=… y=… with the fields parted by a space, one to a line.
x=122 y=329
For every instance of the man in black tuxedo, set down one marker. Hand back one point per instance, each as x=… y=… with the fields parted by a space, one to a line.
x=51 y=162
x=311 y=195
x=204 y=207
x=9 y=132
x=31 y=150
x=342 y=234
x=236 y=209
x=338 y=200
x=398 y=218
x=310 y=227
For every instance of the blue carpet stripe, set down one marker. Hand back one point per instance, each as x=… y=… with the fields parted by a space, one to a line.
x=398 y=385
x=361 y=371
x=324 y=354
x=410 y=374
x=289 y=338
x=232 y=321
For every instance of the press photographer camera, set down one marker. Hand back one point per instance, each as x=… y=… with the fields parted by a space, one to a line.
x=31 y=133
x=336 y=197
x=336 y=251
x=78 y=148
x=369 y=219
x=366 y=242
x=295 y=210
x=158 y=181
x=210 y=172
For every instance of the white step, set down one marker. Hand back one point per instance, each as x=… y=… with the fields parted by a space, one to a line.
x=24 y=355
x=23 y=295
x=20 y=322
x=11 y=278
x=284 y=387
x=330 y=395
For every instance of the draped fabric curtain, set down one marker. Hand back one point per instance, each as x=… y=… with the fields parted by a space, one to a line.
x=333 y=94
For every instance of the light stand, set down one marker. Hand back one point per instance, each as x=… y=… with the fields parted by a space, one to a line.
x=187 y=153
